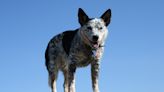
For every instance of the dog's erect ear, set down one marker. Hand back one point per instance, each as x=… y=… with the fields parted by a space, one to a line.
x=83 y=18
x=107 y=17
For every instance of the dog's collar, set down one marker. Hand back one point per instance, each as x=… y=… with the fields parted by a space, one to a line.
x=95 y=52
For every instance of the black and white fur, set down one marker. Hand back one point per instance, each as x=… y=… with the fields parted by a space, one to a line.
x=77 y=48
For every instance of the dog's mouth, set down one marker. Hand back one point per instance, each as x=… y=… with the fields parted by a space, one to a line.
x=95 y=44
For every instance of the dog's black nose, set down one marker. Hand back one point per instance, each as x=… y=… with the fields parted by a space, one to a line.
x=95 y=38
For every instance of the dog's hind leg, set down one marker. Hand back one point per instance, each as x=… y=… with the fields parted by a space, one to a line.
x=65 y=85
x=52 y=80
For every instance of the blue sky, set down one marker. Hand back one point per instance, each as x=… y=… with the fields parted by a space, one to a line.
x=134 y=55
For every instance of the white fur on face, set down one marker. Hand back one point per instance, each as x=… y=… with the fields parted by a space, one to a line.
x=96 y=27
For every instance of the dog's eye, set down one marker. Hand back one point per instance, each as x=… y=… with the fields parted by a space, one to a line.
x=89 y=28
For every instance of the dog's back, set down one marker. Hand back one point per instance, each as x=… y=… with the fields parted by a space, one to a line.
x=58 y=49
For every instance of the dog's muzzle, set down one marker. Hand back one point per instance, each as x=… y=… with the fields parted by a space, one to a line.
x=94 y=44
x=94 y=41
x=95 y=38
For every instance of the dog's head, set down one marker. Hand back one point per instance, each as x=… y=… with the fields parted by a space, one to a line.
x=94 y=30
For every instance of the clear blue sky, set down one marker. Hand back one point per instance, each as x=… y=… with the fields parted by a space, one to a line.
x=134 y=55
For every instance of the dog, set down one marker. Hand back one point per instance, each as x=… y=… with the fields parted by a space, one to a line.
x=77 y=48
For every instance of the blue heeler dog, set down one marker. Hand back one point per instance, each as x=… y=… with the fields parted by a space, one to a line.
x=77 y=48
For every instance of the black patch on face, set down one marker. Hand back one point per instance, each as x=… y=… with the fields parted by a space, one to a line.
x=67 y=40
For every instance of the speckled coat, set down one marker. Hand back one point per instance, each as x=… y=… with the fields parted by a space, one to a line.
x=68 y=51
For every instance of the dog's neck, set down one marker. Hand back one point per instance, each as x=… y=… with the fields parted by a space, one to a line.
x=84 y=42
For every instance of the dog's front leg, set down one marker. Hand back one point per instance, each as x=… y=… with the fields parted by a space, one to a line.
x=94 y=75
x=71 y=78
